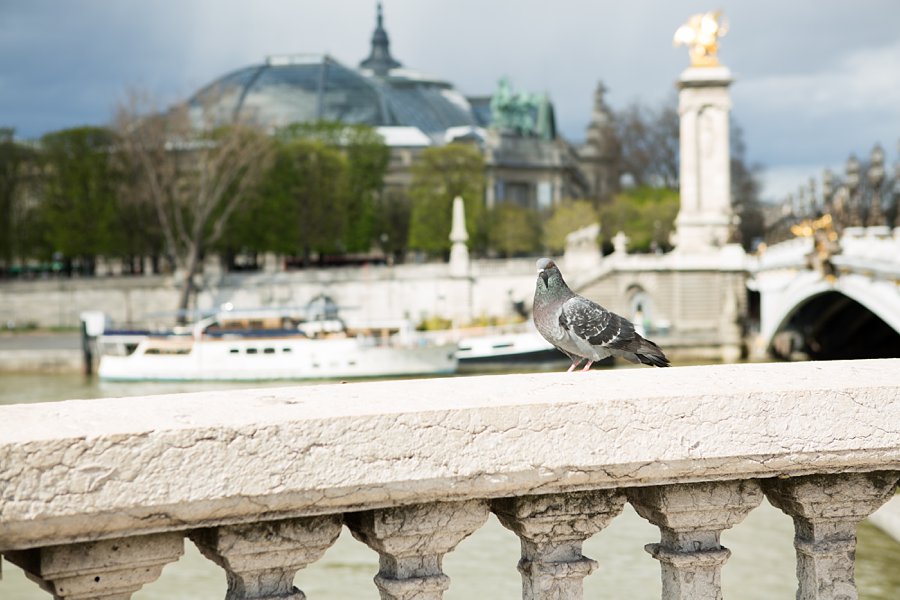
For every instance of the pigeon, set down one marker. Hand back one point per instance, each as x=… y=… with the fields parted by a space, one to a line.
x=583 y=330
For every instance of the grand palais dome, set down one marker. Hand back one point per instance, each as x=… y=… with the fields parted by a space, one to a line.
x=306 y=88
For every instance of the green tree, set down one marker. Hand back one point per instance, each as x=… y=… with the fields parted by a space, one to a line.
x=514 y=230
x=646 y=215
x=18 y=166
x=79 y=201
x=367 y=161
x=567 y=217
x=441 y=174
x=391 y=224
x=305 y=194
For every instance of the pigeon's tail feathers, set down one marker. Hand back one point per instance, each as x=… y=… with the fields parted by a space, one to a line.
x=651 y=354
x=639 y=350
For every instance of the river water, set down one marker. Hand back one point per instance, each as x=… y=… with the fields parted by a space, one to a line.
x=483 y=566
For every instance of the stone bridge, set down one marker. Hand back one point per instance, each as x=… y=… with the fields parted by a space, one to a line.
x=845 y=305
x=97 y=496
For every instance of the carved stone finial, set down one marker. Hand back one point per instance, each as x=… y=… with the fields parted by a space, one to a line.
x=691 y=518
x=261 y=559
x=826 y=510
x=552 y=528
x=411 y=542
x=701 y=35
x=110 y=569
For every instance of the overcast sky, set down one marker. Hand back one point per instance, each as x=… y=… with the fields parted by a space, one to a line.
x=814 y=79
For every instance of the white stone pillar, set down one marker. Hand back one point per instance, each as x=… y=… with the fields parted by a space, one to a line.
x=105 y=570
x=826 y=510
x=705 y=217
x=552 y=528
x=261 y=559
x=411 y=542
x=690 y=518
x=459 y=252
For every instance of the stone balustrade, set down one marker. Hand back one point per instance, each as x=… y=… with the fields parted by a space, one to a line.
x=97 y=496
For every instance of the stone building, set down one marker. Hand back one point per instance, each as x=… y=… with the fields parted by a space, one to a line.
x=527 y=162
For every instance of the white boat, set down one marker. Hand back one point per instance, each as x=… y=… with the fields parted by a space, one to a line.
x=504 y=345
x=272 y=345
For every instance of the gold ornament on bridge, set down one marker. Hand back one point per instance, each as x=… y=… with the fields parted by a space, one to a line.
x=701 y=35
x=826 y=245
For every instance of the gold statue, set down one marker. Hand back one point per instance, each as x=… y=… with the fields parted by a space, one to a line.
x=825 y=245
x=701 y=35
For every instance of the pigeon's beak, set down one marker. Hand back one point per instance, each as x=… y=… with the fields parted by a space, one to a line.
x=544 y=275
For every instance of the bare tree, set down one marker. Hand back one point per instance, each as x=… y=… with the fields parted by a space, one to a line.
x=648 y=140
x=195 y=175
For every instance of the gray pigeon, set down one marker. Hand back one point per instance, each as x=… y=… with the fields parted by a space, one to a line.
x=584 y=330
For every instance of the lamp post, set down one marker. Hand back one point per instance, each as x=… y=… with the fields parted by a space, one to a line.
x=854 y=217
x=827 y=191
x=876 y=178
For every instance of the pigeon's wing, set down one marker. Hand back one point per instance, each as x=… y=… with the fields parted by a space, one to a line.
x=593 y=323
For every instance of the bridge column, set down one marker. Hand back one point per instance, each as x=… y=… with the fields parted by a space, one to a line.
x=705 y=215
x=261 y=559
x=105 y=570
x=691 y=518
x=411 y=542
x=826 y=510
x=552 y=529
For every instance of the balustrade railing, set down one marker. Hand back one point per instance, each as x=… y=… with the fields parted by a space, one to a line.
x=96 y=497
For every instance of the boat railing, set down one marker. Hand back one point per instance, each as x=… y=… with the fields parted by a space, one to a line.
x=99 y=495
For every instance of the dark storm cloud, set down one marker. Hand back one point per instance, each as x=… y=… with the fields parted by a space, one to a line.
x=814 y=80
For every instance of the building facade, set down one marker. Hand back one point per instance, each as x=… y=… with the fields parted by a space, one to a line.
x=527 y=162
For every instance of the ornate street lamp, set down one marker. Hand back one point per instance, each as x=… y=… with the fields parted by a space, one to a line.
x=854 y=218
x=827 y=191
x=876 y=178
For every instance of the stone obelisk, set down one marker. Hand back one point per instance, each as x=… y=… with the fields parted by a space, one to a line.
x=705 y=218
x=459 y=252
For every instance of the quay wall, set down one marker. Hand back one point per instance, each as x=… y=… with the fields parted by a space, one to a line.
x=370 y=292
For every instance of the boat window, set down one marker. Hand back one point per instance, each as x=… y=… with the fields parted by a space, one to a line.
x=286 y=350
x=235 y=350
x=269 y=350
x=251 y=350
x=168 y=351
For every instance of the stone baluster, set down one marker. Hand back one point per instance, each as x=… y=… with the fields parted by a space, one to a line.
x=411 y=542
x=104 y=570
x=261 y=559
x=691 y=518
x=826 y=510
x=552 y=528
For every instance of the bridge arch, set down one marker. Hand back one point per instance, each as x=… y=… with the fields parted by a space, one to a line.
x=856 y=317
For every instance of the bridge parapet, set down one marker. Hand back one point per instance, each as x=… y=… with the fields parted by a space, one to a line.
x=99 y=495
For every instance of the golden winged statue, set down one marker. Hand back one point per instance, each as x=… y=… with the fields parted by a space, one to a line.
x=701 y=35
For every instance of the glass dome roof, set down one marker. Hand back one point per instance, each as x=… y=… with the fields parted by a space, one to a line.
x=308 y=88
x=294 y=89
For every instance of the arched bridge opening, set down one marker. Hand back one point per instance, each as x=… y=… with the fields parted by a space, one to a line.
x=833 y=326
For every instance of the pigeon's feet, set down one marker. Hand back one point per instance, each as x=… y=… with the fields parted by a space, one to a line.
x=573 y=365
x=587 y=365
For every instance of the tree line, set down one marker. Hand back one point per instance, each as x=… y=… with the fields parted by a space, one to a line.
x=163 y=187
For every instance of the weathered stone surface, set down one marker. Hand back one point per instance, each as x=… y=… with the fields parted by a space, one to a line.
x=106 y=570
x=552 y=528
x=411 y=542
x=691 y=518
x=261 y=559
x=83 y=470
x=826 y=510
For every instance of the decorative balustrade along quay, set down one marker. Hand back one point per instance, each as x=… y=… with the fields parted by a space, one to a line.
x=97 y=496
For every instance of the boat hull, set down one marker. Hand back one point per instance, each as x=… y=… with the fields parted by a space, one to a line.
x=275 y=359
